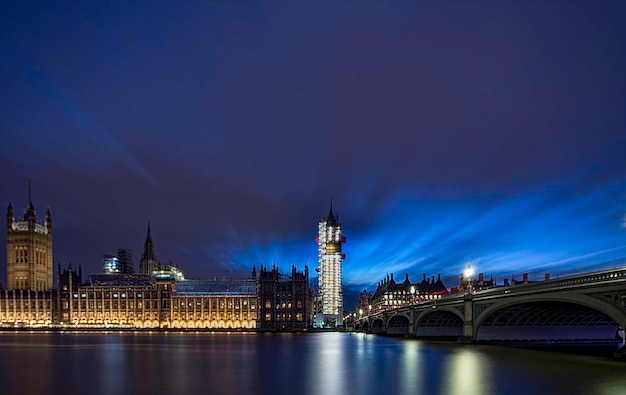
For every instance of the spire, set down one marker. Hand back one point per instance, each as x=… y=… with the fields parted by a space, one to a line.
x=29 y=215
x=148 y=247
x=331 y=219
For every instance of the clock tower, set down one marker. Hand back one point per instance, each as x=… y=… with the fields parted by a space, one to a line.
x=29 y=250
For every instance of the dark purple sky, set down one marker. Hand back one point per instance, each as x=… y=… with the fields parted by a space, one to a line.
x=446 y=133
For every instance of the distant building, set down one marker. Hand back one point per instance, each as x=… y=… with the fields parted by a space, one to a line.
x=122 y=263
x=364 y=305
x=390 y=294
x=286 y=302
x=149 y=262
x=125 y=258
x=29 y=250
x=330 y=260
x=169 y=271
x=110 y=264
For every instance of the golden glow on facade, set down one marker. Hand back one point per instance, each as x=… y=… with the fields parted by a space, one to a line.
x=126 y=308
x=26 y=309
x=29 y=251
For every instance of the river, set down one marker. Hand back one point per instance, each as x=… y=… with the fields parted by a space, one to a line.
x=306 y=363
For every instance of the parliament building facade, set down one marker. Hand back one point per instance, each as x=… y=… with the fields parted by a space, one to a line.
x=158 y=298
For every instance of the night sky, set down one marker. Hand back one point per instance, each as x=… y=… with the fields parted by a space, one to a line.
x=445 y=133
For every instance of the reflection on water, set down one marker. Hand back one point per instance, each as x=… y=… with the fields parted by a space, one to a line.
x=313 y=363
x=327 y=366
x=467 y=373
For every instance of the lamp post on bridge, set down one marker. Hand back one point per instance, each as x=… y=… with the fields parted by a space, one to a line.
x=467 y=275
x=468 y=322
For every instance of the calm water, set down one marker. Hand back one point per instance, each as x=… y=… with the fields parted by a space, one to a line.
x=313 y=363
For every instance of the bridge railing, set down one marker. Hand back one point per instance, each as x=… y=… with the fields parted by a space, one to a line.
x=575 y=281
x=578 y=280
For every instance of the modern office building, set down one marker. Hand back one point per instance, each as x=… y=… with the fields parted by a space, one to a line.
x=125 y=258
x=110 y=264
x=330 y=259
x=29 y=250
x=122 y=263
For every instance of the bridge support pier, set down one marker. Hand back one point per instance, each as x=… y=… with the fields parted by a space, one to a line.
x=468 y=322
x=412 y=322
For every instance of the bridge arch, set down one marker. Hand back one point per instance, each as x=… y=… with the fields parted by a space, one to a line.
x=548 y=317
x=366 y=326
x=440 y=322
x=398 y=324
x=377 y=325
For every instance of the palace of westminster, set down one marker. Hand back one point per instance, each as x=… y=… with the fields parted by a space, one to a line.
x=160 y=298
x=156 y=298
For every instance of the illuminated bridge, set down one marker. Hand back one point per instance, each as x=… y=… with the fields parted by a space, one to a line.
x=586 y=307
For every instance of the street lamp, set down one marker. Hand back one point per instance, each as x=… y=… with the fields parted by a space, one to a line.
x=467 y=274
x=412 y=294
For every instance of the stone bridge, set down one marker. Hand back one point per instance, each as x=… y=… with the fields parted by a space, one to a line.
x=586 y=307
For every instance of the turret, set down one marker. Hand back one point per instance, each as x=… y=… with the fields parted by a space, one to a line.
x=10 y=217
x=48 y=221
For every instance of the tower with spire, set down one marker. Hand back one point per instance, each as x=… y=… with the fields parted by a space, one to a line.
x=29 y=250
x=330 y=259
x=148 y=262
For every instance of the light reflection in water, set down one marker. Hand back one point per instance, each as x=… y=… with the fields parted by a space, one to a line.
x=275 y=364
x=328 y=365
x=468 y=372
x=411 y=369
